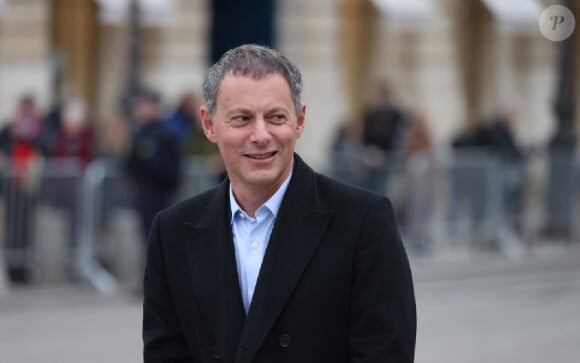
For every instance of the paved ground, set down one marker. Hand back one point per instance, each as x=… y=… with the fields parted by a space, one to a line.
x=501 y=311
x=471 y=310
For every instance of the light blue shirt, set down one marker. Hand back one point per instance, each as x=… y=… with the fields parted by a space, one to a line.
x=251 y=236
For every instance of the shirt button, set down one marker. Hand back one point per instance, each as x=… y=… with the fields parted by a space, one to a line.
x=254 y=245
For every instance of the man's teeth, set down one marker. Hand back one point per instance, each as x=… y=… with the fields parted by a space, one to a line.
x=260 y=156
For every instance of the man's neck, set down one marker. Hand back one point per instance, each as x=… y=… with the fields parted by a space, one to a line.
x=250 y=199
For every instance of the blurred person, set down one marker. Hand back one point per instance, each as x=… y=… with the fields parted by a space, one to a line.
x=53 y=118
x=469 y=204
x=347 y=155
x=278 y=263
x=75 y=138
x=52 y=122
x=417 y=138
x=382 y=125
x=74 y=148
x=183 y=120
x=494 y=135
x=153 y=160
x=114 y=144
x=497 y=136
x=115 y=138
x=186 y=124
x=488 y=179
x=419 y=188
x=21 y=151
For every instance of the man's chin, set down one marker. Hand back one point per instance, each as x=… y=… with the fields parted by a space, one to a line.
x=263 y=179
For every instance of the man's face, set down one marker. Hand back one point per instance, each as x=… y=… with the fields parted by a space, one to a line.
x=146 y=111
x=255 y=127
x=26 y=109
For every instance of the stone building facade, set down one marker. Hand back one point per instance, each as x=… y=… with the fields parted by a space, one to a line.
x=456 y=61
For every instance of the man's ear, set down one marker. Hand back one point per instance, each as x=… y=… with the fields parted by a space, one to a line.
x=207 y=123
x=300 y=120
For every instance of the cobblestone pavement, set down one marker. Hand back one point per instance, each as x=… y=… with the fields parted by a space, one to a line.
x=470 y=310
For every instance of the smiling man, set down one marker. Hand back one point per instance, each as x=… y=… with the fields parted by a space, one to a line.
x=278 y=263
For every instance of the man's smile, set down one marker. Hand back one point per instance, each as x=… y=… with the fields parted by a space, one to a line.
x=261 y=156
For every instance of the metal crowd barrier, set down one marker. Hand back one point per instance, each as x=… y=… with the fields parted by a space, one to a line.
x=470 y=199
x=455 y=198
x=40 y=216
x=111 y=235
x=64 y=222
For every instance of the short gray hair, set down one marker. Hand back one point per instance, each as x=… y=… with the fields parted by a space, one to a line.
x=255 y=61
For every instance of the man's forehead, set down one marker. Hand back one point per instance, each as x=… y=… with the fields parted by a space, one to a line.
x=238 y=84
x=233 y=79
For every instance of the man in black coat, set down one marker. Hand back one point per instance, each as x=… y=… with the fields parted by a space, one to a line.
x=278 y=263
x=153 y=162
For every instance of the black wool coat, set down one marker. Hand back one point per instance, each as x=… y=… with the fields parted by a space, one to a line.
x=334 y=286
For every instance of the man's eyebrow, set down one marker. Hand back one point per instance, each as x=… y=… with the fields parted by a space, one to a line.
x=278 y=109
x=238 y=110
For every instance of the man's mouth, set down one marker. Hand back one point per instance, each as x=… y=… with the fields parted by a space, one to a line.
x=262 y=155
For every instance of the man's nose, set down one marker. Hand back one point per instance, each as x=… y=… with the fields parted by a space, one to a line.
x=260 y=133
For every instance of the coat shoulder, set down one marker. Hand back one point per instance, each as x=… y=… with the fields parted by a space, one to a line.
x=189 y=210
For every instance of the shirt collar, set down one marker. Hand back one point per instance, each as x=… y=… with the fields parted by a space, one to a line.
x=272 y=204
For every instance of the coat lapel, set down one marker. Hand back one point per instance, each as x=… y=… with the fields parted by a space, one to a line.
x=299 y=227
x=214 y=275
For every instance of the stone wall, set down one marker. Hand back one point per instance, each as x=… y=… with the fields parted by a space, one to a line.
x=427 y=68
x=24 y=53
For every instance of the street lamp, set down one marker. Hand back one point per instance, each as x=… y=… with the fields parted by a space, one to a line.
x=562 y=161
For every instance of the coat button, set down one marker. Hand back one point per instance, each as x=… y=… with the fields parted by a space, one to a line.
x=285 y=340
x=216 y=353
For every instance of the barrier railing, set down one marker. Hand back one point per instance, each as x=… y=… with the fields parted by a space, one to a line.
x=36 y=194
x=63 y=222
x=471 y=199
x=109 y=221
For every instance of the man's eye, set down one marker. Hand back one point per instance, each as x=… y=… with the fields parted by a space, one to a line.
x=240 y=119
x=278 y=118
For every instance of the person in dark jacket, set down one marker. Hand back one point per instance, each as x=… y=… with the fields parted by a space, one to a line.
x=153 y=161
x=278 y=263
x=383 y=123
x=21 y=151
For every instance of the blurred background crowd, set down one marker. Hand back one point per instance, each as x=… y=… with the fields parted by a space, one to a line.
x=460 y=111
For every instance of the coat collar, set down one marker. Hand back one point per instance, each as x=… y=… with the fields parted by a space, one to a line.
x=299 y=227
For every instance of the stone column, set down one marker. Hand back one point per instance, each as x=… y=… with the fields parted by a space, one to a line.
x=174 y=54
x=24 y=53
x=74 y=30
x=359 y=27
x=473 y=31
x=439 y=92
x=110 y=70
x=307 y=34
x=181 y=57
